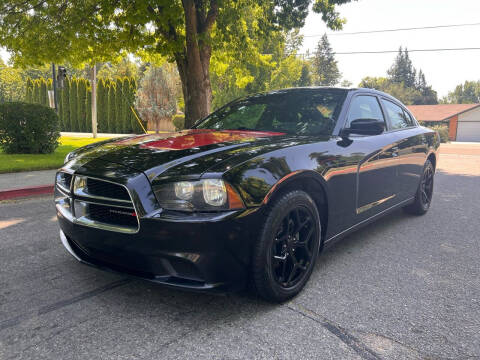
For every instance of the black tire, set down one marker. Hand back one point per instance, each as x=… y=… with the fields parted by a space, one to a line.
x=288 y=243
x=424 y=194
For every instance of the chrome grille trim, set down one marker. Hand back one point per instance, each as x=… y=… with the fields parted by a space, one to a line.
x=87 y=195
x=85 y=198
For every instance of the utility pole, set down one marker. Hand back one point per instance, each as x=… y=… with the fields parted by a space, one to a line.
x=94 y=101
x=54 y=84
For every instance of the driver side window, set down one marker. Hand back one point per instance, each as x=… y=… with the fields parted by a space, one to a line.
x=364 y=107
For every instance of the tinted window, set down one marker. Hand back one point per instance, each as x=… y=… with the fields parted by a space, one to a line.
x=398 y=119
x=296 y=112
x=410 y=120
x=364 y=107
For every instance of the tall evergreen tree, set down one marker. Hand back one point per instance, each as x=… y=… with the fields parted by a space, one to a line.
x=305 y=76
x=136 y=128
x=43 y=92
x=36 y=91
x=119 y=99
x=127 y=102
x=89 y=108
x=111 y=108
x=325 y=68
x=402 y=69
x=101 y=106
x=428 y=95
x=81 y=105
x=29 y=91
x=73 y=100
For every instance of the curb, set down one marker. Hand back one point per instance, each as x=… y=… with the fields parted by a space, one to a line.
x=26 y=192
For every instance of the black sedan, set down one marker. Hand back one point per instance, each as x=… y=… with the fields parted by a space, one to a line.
x=251 y=194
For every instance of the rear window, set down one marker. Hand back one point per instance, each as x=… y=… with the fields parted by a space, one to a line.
x=396 y=115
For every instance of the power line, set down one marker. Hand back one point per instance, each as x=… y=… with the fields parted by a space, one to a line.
x=409 y=50
x=394 y=30
x=396 y=51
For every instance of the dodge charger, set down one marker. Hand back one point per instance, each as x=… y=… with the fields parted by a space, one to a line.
x=251 y=194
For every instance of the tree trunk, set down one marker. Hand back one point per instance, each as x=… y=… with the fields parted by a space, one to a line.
x=193 y=67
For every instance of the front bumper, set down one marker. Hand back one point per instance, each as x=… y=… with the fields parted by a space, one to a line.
x=208 y=255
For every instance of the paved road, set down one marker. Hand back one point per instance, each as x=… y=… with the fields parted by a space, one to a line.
x=403 y=288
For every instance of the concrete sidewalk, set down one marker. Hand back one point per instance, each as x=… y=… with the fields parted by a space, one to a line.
x=19 y=180
x=26 y=184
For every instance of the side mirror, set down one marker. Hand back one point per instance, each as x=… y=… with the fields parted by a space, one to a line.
x=364 y=127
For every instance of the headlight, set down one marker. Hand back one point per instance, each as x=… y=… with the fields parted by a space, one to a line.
x=184 y=190
x=202 y=195
x=214 y=192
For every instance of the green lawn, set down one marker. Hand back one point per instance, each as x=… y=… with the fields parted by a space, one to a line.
x=26 y=162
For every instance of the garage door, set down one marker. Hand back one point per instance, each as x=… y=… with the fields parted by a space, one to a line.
x=468 y=131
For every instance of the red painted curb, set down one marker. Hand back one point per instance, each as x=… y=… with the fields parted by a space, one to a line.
x=26 y=192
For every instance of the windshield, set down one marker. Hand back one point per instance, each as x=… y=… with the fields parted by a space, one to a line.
x=301 y=112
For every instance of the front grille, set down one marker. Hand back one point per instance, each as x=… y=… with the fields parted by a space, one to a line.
x=106 y=189
x=67 y=178
x=96 y=203
x=112 y=215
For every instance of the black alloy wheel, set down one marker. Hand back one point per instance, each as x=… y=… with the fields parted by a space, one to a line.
x=423 y=197
x=426 y=186
x=292 y=248
x=288 y=246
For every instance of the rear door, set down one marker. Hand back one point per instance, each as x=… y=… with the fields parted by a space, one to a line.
x=376 y=173
x=410 y=148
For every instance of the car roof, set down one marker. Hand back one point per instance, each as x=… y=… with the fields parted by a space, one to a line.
x=313 y=88
x=307 y=88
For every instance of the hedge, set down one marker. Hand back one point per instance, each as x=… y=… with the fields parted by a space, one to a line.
x=28 y=128
x=114 y=101
x=442 y=131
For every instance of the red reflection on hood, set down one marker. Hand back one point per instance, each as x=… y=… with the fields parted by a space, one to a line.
x=199 y=137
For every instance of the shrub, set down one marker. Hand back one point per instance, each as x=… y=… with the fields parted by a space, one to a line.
x=28 y=128
x=442 y=131
x=178 y=121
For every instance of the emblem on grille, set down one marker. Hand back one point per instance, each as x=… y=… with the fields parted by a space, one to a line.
x=122 y=212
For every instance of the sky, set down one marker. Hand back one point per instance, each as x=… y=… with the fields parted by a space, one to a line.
x=443 y=70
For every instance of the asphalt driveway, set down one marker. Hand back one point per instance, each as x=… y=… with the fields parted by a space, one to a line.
x=403 y=288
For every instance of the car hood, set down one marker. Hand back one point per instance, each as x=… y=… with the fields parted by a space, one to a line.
x=177 y=153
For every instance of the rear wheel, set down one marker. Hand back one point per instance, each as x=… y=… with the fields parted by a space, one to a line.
x=423 y=197
x=288 y=247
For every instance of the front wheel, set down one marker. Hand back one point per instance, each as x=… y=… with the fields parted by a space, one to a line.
x=424 y=194
x=287 y=248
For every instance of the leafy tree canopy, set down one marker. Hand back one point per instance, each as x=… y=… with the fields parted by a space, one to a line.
x=12 y=84
x=466 y=93
x=186 y=31
x=125 y=68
